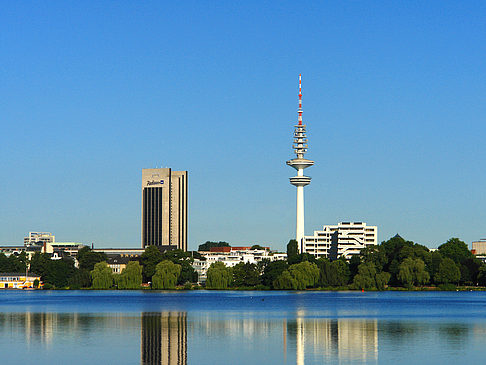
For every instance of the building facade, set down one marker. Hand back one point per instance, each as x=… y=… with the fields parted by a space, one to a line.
x=344 y=239
x=19 y=281
x=232 y=256
x=164 y=208
x=39 y=238
x=479 y=247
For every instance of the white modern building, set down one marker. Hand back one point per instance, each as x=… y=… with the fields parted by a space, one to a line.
x=232 y=258
x=39 y=238
x=300 y=163
x=344 y=239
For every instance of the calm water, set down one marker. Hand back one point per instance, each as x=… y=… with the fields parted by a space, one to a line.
x=200 y=327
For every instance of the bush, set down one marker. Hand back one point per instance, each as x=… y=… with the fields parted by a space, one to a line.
x=447 y=287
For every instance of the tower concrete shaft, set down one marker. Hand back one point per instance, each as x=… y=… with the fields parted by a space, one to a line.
x=300 y=163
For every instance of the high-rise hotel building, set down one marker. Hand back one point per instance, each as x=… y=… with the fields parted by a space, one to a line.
x=164 y=208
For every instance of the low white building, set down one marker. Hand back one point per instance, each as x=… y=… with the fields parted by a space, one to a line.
x=344 y=239
x=232 y=258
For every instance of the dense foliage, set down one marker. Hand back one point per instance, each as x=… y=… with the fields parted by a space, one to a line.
x=394 y=263
x=166 y=275
x=206 y=246
x=102 y=276
x=219 y=276
x=131 y=276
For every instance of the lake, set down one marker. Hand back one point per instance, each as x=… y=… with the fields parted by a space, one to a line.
x=242 y=327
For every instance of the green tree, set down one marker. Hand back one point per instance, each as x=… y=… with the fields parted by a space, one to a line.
x=366 y=277
x=306 y=273
x=12 y=263
x=482 y=275
x=285 y=281
x=208 y=244
x=131 y=276
x=102 y=276
x=59 y=272
x=448 y=272
x=412 y=272
x=246 y=274
x=292 y=252
x=87 y=258
x=39 y=263
x=433 y=268
x=257 y=247
x=470 y=270
x=149 y=259
x=334 y=273
x=354 y=263
x=185 y=259
x=80 y=279
x=456 y=250
x=219 y=276
x=342 y=272
x=382 y=280
x=272 y=271
x=303 y=275
x=166 y=274
x=374 y=254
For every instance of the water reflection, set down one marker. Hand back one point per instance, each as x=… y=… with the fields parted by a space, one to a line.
x=343 y=339
x=164 y=338
x=170 y=338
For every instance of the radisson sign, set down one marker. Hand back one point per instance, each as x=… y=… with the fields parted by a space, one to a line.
x=155 y=182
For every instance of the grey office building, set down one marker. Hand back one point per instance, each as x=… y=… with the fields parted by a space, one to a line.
x=164 y=208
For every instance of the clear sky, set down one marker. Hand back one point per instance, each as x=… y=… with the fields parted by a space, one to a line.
x=394 y=98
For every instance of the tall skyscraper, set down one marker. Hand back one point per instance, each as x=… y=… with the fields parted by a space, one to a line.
x=164 y=208
x=300 y=163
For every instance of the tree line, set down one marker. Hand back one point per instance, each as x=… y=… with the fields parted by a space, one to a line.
x=156 y=269
x=395 y=263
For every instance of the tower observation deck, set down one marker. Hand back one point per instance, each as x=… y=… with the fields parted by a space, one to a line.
x=300 y=163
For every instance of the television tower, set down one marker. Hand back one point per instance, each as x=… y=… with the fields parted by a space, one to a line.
x=300 y=163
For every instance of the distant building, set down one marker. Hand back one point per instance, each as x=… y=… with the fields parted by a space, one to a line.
x=164 y=208
x=39 y=238
x=231 y=256
x=18 y=280
x=344 y=239
x=479 y=247
x=122 y=252
x=117 y=263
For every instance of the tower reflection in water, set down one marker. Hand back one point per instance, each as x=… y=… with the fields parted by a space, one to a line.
x=164 y=338
x=343 y=339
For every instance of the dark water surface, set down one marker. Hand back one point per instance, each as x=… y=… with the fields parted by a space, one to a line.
x=210 y=327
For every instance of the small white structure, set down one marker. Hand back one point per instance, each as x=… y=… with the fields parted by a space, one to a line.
x=232 y=258
x=344 y=239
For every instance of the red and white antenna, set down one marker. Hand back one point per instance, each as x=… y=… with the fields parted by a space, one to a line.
x=300 y=99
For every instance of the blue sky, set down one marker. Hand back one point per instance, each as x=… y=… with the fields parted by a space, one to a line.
x=394 y=98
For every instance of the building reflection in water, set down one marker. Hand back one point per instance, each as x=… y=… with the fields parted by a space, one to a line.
x=164 y=335
x=164 y=338
x=343 y=339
